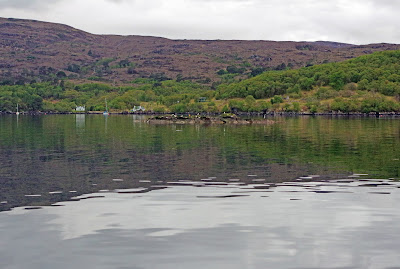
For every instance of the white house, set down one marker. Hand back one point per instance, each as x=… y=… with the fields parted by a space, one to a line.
x=80 y=108
x=138 y=109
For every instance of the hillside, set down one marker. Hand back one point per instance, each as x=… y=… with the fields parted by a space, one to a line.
x=40 y=51
x=369 y=83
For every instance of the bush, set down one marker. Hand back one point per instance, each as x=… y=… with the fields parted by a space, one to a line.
x=178 y=108
x=264 y=106
x=326 y=93
x=225 y=109
x=277 y=99
x=237 y=105
x=313 y=109
x=159 y=109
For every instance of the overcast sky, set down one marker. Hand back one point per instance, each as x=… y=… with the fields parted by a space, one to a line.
x=351 y=21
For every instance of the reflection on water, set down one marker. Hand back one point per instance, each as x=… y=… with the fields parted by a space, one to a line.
x=51 y=158
x=318 y=224
x=80 y=120
x=115 y=192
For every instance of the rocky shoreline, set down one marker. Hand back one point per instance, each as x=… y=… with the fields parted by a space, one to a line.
x=223 y=119
x=208 y=114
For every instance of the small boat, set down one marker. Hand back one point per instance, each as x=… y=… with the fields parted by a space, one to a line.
x=17 y=113
x=105 y=113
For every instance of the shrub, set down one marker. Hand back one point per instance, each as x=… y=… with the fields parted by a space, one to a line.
x=277 y=99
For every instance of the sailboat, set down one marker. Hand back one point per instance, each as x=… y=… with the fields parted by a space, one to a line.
x=105 y=113
x=17 y=113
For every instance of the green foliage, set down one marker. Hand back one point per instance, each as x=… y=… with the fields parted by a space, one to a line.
x=64 y=106
x=378 y=104
x=281 y=66
x=222 y=72
x=337 y=80
x=277 y=99
x=237 y=105
x=195 y=107
x=74 y=68
x=158 y=77
x=105 y=62
x=235 y=70
x=345 y=105
x=313 y=109
x=178 y=108
x=159 y=109
x=250 y=100
x=296 y=107
x=61 y=74
x=143 y=81
x=225 y=109
x=366 y=84
x=379 y=72
x=179 y=78
x=326 y=93
x=264 y=106
x=257 y=71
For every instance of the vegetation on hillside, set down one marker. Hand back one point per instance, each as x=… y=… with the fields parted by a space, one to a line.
x=158 y=96
x=365 y=84
x=54 y=51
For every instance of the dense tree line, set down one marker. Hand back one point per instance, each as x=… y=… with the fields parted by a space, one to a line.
x=170 y=94
x=379 y=72
x=366 y=84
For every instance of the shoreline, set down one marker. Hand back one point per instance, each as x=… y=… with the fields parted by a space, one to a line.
x=240 y=114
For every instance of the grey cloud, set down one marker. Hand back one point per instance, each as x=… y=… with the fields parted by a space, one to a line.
x=241 y=1
x=356 y=21
x=26 y=4
x=116 y=1
x=385 y=3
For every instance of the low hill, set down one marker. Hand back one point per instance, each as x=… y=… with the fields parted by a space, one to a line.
x=369 y=83
x=41 y=51
x=379 y=72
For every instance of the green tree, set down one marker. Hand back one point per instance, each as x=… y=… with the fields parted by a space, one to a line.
x=337 y=80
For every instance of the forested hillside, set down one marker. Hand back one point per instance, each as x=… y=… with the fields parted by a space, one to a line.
x=369 y=83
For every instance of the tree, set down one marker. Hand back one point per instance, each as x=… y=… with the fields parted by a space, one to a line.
x=277 y=99
x=282 y=66
x=179 y=78
x=124 y=63
x=257 y=71
x=74 y=68
x=61 y=74
x=235 y=70
x=337 y=80
x=225 y=109
x=221 y=72
x=250 y=100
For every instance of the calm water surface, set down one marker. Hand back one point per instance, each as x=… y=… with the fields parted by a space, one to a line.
x=114 y=192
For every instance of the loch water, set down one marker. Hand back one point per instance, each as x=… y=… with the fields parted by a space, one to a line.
x=93 y=191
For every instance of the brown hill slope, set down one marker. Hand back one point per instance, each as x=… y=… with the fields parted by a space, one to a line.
x=39 y=50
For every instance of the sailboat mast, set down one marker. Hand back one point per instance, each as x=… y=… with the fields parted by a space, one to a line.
x=105 y=113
